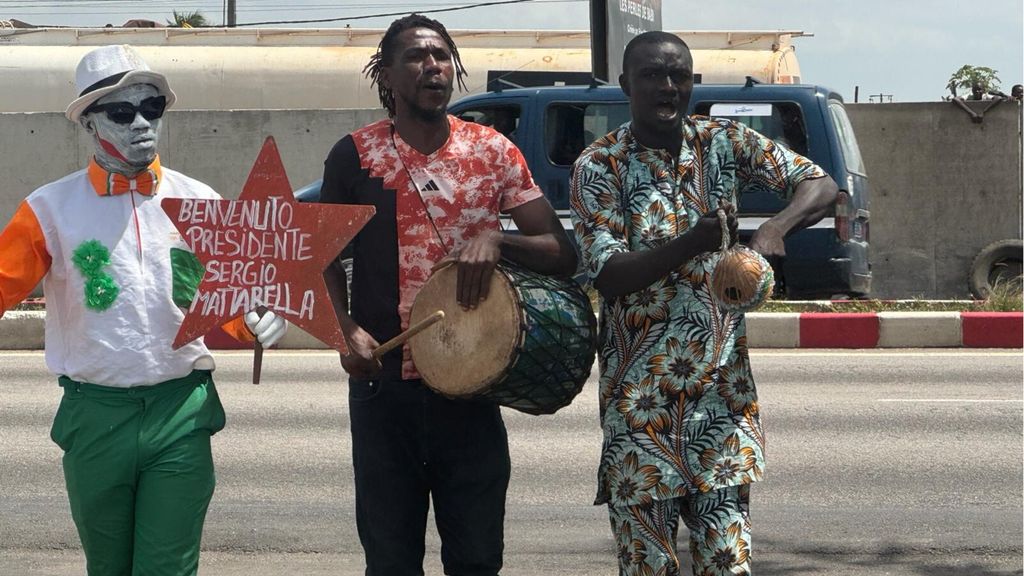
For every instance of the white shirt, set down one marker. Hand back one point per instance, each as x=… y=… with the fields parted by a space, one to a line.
x=129 y=343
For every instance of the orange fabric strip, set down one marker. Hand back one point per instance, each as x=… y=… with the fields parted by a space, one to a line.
x=24 y=259
x=238 y=330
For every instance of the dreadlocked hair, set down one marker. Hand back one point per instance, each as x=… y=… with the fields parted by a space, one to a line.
x=385 y=55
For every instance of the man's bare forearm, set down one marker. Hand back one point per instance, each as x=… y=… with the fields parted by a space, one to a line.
x=628 y=272
x=544 y=253
x=811 y=202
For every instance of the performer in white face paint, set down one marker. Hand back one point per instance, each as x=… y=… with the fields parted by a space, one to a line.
x=125 y=126
x=136 y=417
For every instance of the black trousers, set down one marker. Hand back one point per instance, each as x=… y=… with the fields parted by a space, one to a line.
x=409 y=445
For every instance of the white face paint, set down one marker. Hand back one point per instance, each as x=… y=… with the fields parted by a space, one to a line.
x=124 y=148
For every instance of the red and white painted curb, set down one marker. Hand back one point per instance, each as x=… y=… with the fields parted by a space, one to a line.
x=886 y=330
x=24 y=331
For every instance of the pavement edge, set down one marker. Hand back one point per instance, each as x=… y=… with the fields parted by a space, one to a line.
x=24 y=330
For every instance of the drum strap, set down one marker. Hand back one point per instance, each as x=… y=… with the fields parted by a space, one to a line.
x=426 y=209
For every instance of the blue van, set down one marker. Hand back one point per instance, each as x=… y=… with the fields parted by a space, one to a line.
x=552 y=125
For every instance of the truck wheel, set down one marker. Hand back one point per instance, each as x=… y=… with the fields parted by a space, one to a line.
x=999 y=262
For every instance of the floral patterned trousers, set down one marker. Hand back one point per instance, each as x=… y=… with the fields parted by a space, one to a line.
x=719 y=525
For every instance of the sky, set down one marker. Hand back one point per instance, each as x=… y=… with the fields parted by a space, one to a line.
x=905 y=50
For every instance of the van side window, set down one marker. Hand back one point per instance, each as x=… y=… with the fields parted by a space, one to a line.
x=504 y=119
x=571 y=127
x=847 y=139
x=783 y=122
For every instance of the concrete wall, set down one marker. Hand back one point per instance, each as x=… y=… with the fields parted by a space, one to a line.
x=218 y=148
x=943 y=187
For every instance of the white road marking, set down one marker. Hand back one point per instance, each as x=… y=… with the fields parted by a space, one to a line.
x=216 y=353
x=804 y=352
x=951 y=400
x=888 y=354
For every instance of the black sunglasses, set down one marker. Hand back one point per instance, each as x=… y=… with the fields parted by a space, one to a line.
x=124 y=112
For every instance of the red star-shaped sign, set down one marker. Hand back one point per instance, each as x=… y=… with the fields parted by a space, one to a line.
x=264 y=249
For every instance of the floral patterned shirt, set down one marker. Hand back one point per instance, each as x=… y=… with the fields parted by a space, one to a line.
x=678 y=404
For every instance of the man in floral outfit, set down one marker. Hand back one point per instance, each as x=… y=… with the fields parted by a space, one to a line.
x=682 y=436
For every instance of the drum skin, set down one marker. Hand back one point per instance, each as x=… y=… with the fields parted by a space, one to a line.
x=742 y=279
x=529 y=346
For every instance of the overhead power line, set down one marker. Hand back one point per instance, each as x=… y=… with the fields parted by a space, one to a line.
x=128 y=7
x=52 y=6
x=381 y=15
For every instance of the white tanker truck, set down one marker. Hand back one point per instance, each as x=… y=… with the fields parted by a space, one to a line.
x=281 y=68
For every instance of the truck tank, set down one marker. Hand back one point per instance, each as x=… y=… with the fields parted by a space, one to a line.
x=283 y=68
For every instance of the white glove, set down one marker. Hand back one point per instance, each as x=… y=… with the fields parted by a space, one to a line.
x=269 y=329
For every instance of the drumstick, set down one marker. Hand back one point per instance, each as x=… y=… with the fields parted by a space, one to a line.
x=412 y=331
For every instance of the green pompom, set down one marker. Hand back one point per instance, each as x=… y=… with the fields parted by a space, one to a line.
x=100 y=292
x=186 y=274
x=90 y=257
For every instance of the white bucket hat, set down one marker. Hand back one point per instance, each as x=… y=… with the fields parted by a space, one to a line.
x=104 y=70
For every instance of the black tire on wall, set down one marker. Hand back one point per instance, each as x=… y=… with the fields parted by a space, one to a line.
x=998 y=262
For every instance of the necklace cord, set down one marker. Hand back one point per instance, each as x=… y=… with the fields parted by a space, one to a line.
x=426 y=209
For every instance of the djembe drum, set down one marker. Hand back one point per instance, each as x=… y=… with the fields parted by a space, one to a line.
x=529 y=346
x=742 y=279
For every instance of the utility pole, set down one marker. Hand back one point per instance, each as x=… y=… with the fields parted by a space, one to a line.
x=231 y=13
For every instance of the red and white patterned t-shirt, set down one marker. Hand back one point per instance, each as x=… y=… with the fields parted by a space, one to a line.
x=475 y=175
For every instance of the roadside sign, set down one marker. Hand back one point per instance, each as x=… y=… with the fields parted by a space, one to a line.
x=613 y=23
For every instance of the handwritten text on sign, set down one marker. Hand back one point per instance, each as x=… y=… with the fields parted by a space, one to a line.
x=247 y=243
x=264 y=249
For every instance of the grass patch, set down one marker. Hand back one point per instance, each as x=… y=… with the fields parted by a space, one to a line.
x=1004 y=297
x=32 y=304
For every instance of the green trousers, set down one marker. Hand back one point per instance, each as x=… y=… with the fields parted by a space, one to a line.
x=139 y=472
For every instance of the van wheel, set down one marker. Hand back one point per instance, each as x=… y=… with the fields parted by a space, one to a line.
x=997 y=263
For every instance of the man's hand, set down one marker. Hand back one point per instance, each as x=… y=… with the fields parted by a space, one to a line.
x=268 y=329
x=769 y=241
x=707 y=233
x=359 y=362
x=476 y=261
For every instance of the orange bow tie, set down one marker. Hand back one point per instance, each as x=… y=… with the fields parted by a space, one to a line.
x=112 y=183
x=144 y=183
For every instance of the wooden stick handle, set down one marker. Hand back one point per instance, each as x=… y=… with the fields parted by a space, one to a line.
x=412 y=331
x=257 y=359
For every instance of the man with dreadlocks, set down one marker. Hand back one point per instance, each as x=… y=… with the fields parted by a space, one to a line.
x=437 y=184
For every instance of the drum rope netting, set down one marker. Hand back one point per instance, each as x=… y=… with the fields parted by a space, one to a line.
x=555 y=373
